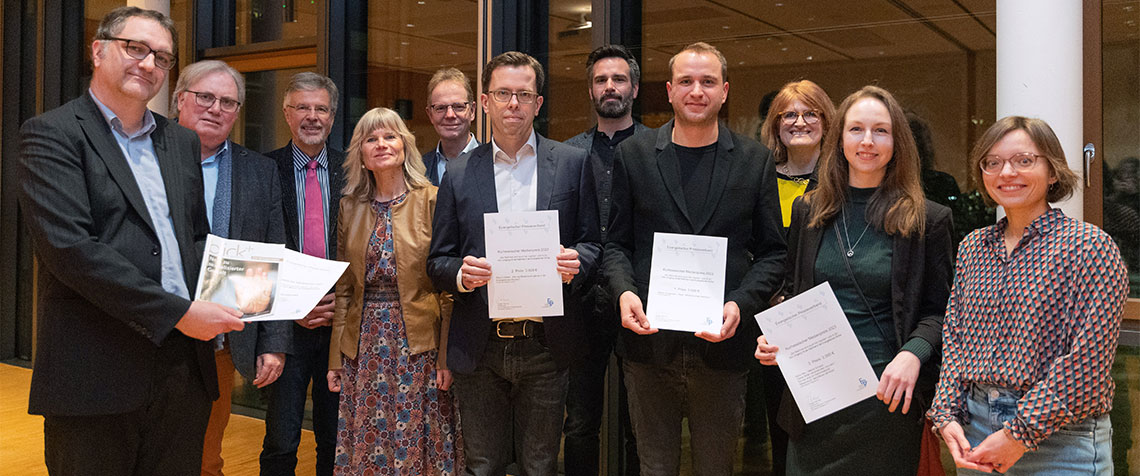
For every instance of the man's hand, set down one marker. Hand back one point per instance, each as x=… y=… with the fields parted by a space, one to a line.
x=334 y=377
x=633 y=314
x=897 y=382
x=321 y=315
x=765 y=352
x=443 y=379
x=959 y=447
x=730 y=320
x=475 y=272
x=269 y=367
x=205 y=320
x=568 y=264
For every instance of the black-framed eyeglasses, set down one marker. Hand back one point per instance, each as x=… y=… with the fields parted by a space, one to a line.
x=207 y=101
x=790 y=117
x=524 y=97
x=993 y=164
x=305 y=109
x=458 y=107
x=139 y=50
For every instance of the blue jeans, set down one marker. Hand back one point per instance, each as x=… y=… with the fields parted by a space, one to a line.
x=1084 y=447
x=660 y=396
x=308 y=363
x=512 y=404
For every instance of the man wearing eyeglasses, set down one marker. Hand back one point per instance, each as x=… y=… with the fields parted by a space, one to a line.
x=311 y=177
x=451 y=108
x=111 y=195
x=510 y=375
x=243 y=201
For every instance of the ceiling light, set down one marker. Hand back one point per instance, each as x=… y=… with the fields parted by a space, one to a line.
x=410 y=25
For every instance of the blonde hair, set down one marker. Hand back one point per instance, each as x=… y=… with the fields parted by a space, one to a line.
x=807 y=92
x=359 y=183
x=701 y=47
x=898 y=207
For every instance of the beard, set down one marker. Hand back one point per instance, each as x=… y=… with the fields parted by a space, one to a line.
x=611 y=109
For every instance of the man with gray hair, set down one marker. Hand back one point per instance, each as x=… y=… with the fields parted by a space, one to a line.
x=243 y=201
x=111 y=195
x=311 y=181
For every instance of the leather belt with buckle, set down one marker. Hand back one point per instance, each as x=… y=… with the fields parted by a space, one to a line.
x=517 y=329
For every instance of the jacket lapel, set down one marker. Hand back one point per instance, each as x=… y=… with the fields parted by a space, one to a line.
x=99 y=134
x=546 y=168
x=668 y=166
x=481 y=174
x=725 y=156
x=237 y=171
x=284 y=158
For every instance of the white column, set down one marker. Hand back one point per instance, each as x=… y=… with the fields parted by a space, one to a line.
x=1040 y=73
x=161 y=101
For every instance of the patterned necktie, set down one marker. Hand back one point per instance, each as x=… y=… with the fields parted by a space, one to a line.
x=314 y=244
x=220 y=225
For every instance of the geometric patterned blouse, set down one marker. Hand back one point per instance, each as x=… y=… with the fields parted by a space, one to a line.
x=1043 y=320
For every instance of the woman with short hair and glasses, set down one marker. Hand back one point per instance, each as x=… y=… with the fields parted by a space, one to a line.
x=885 y=250
x=389 y=330
x=1033 y=319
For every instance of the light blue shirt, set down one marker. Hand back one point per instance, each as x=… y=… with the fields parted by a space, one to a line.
x=138 y=149
x=210 y=179
x=441 y=165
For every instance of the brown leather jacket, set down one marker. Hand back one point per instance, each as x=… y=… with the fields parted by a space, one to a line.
x=426 y=311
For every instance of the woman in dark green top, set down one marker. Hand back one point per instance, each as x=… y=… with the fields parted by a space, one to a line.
x=885 y=250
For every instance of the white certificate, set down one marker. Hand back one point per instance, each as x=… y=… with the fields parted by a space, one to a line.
x=820 y=357
x=686 y=282
x=523 y=248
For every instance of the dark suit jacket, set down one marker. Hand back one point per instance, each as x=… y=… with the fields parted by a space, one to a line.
x=922 y=268
x=566 y=184
x=104 y=321
x=255 y=215
x=431 y=161
x=284 y=159
x=742 y=206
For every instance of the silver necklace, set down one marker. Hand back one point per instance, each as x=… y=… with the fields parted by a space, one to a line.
x=851 y=247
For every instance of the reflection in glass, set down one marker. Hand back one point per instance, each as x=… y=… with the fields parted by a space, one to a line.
x=269 y=20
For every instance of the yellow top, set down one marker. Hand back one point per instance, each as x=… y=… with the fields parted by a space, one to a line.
x=790 y=188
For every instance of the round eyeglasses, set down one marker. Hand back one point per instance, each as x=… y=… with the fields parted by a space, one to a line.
x=993 y=164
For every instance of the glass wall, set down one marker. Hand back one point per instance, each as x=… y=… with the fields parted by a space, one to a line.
x=567 y=100
x=269 y=20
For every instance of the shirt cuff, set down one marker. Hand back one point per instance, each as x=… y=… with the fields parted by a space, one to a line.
x=1021 y=432
x=459 y=282
x=920 y=348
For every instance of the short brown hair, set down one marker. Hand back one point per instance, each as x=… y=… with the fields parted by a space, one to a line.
x=114 y=21
x=454 y=75
x=1047 y=143
x=514 y=58
x=807 y=92
x=701 y=47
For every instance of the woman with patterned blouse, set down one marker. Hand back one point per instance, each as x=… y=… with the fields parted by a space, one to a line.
x=386 y=356
x=1031 y=328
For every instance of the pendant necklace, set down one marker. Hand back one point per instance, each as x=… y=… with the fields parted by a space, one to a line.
x=851 y=247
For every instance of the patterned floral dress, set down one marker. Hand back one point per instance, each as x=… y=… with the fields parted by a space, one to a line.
x=393 y=418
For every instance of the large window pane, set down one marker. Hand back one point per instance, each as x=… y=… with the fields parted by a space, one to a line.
x=1121 y=149
x=567 y=100
x=269 y=20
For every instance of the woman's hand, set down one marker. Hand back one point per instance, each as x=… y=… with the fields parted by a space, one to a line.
x=334 y=378
x=999 y=451
x=443 y=379
x=765 y=353
x=959 y=447
x=897 y=383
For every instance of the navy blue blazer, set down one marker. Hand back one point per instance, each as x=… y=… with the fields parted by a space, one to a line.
x=565 y=184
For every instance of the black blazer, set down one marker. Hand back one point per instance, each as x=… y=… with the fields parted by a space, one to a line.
x=743 y=206
x=922 y=269
x=104 y=321
x=285 y=168
x=431 y=160
x=255 y=215
x=566 y=184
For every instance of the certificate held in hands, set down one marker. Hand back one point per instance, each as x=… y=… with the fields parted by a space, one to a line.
x=522 y=248
x=686 y=282
x=820 y=357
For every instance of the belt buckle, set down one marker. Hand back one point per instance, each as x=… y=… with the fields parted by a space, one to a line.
x=499 y=330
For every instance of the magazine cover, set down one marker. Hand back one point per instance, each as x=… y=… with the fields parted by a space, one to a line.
x=234 y=274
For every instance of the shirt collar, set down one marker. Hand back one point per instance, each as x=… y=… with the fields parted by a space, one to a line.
x=221 y=150
x=117 y=124
x=1041 y=225
x=471 y=144
x=500 y=156
x=301 y=160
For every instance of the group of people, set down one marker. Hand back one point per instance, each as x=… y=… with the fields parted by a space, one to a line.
x=1006 y=354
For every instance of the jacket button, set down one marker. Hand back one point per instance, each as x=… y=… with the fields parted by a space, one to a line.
x=154 y=251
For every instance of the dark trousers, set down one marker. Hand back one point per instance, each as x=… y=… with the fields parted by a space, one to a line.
x=585 y=404
x=762 y=403
x=307 y=364
x=661 y=395
x=165 y=437
x=512 y=403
